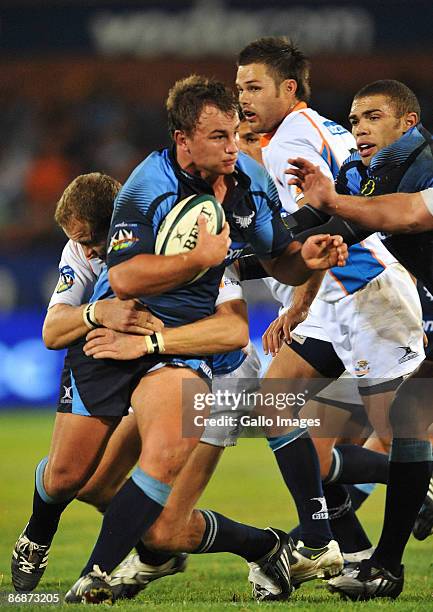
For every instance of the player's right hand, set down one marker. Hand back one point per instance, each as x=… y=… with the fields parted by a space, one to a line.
x=129 y=316
x=319 y=190
x=211 y=250
x=105 y=343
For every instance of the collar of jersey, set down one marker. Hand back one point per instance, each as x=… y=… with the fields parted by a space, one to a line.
x=397 y=152
x=265 y=139
x=199 y=185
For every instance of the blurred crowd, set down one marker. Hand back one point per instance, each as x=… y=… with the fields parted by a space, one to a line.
x=47 y=143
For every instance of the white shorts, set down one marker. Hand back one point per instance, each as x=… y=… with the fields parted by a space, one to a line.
x=377 y=332
x=245 y=379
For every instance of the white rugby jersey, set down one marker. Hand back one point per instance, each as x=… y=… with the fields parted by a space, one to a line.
x=78 y=276
x=305 y=133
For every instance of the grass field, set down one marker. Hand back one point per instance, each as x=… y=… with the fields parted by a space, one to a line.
x=246 y=487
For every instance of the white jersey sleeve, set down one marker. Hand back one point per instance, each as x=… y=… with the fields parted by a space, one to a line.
x=230 y=287
x=78 y=276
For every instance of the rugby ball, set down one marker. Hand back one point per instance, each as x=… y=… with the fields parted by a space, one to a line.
x=179 y=229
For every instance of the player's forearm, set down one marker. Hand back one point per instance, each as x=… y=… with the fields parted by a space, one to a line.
x=396 y=213
x=152 y=274
x=208 y=336
x=304 y=295
x=289 y=268
x=63 y=325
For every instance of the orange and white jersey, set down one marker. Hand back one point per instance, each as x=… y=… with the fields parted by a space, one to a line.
x=77 y=276
x=305 y=133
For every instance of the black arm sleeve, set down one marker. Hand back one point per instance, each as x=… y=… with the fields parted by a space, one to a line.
x=352 y=233
x=305 y=218
x=251 y=268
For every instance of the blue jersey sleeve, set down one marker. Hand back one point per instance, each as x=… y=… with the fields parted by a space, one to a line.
x=271 y=236
x=140 y=206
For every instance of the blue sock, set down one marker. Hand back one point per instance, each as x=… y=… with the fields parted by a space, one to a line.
x=224 y=535
x=299 y=466
x=345 y=525
x=46 y=511
x=359 y=493
x=354 y=464
x=129 y=515
x=410 y=469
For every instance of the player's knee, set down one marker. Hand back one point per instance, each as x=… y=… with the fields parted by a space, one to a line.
x=63 y=482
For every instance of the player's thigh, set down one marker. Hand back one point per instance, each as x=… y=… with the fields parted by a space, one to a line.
x=120 y=456
x=157 y=404
x=77 y=445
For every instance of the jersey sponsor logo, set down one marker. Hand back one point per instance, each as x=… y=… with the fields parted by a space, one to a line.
x=67 y=395
x=227 y=282
x=427 y=326
x=244 y=222
x=233 y=254
x=122 y=240
x=66 y=280
x=368 y=187
x=335 y=128
x=408 y=354
x=323 y=512
x=362 y=367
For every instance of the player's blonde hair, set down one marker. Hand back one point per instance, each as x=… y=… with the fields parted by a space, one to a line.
x=89 y=198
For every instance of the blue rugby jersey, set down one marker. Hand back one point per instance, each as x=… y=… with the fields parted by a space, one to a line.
x=406 y=165
x=155 y=187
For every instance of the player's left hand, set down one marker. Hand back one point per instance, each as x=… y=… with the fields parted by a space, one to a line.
x=102 y=343
x=279 y=330
x=323 y=251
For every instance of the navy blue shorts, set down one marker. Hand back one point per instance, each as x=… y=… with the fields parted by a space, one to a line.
x=103 y=387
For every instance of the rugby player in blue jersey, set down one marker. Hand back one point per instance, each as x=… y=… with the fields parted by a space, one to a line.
x=202 y=161
x=395 y=154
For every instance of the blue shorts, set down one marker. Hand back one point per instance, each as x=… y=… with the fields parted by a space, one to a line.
x=103 y=387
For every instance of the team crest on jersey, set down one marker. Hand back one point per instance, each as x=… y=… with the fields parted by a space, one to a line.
x=244 y=222
x=122 y=240
x=368 y=188
x=66 y=280
x=362 y=367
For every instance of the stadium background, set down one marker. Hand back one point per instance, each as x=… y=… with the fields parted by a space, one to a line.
x=82 y=88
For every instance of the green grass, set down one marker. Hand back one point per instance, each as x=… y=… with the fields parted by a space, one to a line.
x=246 y=487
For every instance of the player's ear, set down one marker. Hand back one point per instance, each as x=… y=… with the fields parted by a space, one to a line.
x=290 y=87
x=411 y=119
x=181 y=141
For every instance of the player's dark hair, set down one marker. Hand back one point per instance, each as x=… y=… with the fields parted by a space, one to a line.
x=402 y=98
x=283 y=59
x=89 y=198
x=187 y=98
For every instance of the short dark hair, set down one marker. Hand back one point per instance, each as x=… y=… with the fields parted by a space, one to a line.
x=89 y=198
x=187 y=98
x=402 y=98
x=283 y=58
